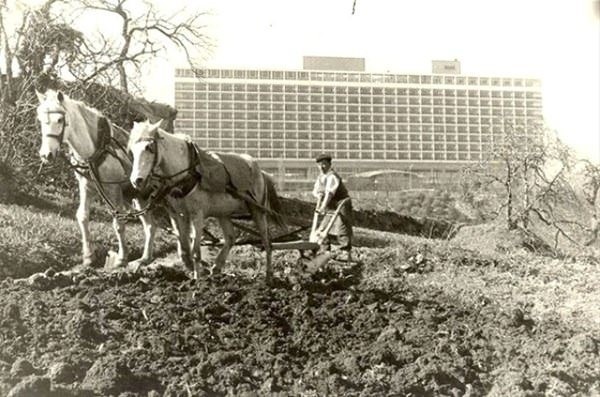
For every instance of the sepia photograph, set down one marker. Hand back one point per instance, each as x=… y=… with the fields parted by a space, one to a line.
x=299 y=198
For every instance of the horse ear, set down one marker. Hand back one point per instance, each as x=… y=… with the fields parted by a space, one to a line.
x=156 y=125
x=41 y=97
x=60 y=96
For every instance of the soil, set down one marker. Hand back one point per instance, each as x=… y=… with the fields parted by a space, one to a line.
x=343 y=330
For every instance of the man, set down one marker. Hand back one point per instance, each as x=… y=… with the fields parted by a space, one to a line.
x=330 y=191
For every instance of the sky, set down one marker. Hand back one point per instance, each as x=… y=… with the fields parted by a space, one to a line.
x=557 y=41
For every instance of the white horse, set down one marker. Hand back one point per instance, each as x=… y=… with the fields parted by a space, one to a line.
x=99 y=157
x=202 y=184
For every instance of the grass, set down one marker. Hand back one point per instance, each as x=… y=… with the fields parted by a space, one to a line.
x=33 y=239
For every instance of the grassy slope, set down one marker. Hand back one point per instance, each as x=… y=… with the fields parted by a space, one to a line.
x=33 y=239
x=557 y=300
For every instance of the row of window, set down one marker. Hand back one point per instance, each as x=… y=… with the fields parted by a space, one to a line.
x=400 y=114
x=359 y=155
x=304 y=139
x=427 y=132
x=351 y=129
x=355 y=146
x=215 y=88
x=267 y=100
x=413 y=123
x=355 y=77
x=365 y=146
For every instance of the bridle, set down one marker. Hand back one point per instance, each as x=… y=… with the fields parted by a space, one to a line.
x=88 y=168
x=61 y=136
x=154 y=143
x=167 y=185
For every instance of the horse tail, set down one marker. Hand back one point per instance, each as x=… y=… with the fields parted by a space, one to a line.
x=272 y=201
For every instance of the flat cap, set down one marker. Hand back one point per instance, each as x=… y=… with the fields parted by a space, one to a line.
x=323 y=156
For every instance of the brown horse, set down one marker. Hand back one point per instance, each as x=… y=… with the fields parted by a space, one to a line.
x=100 y=160
x=201 y=184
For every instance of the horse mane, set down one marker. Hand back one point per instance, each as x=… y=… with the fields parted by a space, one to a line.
x=91 y=116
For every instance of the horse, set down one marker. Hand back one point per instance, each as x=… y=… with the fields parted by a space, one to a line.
x=99 y=159
x=201 y=184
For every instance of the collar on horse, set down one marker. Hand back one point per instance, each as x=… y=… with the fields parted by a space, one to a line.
x=103 y=148
x=89 y=167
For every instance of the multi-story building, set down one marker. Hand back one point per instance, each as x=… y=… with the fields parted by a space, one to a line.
x=428 y=124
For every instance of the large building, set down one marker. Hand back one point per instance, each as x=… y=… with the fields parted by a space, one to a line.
x=428 y=124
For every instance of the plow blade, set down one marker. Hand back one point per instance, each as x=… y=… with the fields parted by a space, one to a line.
x=318 y=261
x=299 y=245
x=312 y=262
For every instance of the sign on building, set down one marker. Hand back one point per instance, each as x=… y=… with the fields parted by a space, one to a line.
x=446 y=67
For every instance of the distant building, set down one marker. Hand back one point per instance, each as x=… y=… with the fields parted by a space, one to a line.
x=430 y=124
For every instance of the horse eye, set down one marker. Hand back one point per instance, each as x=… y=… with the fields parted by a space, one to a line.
x=150 y=149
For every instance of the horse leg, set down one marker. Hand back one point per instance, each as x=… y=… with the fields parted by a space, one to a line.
x=198 y=226
x=149 y=233
x=119 y=226
x=181 y=226
x=260 y=219
x=83 y=220
x=229 y=235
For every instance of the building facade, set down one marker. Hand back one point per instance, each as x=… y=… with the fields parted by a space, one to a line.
x=429 y=124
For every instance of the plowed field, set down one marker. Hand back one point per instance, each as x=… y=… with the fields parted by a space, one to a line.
x=398 y=321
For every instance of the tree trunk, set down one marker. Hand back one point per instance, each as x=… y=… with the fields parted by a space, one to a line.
x=6 y=92
x=526 y=198
x=510 y=224
x=122 y=77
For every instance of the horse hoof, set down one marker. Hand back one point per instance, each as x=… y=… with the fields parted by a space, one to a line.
x=140 y=262
x=134 y=266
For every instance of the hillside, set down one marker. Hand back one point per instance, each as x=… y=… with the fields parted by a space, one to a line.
x=413 y=316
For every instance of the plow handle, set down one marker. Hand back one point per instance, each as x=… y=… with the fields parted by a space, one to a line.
x=315 y=221
x=319 y=237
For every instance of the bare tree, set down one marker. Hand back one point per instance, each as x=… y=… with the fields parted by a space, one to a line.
x=46 y=42
x=7 y=50
x=591 y=190
x=145 y=33
x=526 y=171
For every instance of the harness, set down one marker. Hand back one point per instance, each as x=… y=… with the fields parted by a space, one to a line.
x=106 y=145
x=181 y=187
x=184 y=186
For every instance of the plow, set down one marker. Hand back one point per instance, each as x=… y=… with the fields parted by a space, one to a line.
x=309 y=248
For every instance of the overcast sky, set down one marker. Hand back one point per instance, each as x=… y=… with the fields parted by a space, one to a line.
x=557 y=41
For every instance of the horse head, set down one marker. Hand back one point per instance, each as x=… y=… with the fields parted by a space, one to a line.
x=143 y=147
x=51 y=113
